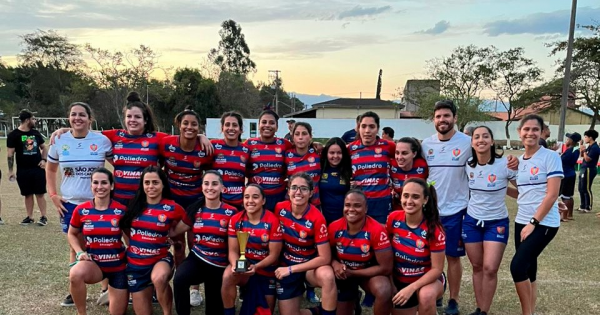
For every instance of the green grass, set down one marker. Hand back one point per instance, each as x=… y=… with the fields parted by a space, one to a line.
x=34 y=273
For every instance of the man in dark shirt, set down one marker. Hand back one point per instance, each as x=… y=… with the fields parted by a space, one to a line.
x=588 y=169
x=288 y=136
x=545 y=136
x=350 y=135
x=567 y=185
x=31 y=152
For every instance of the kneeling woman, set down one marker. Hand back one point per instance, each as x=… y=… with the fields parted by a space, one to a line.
x=262 y=252
x=419 y=244
x=208 y=219
x=149 y=217
x=362 y=256
x=104 y=255
x=306 y=253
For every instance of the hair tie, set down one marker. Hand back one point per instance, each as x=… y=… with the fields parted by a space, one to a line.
x=430 y=183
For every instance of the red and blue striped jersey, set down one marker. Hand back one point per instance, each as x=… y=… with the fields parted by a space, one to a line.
x=300 y=236
x=309 y=163
x=230 y=162
x=358 y=251
x=265 y=166
x=399 y=176
x=150 y=231
x=412 y=248
x=370 y=167
x=210 y=233
x=131 y=155
x=184 y=169
x=102 y=234
x=261 y=234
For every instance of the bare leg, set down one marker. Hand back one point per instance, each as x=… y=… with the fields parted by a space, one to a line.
x=492 y=257
x=29 y=205
x=41 y=201
x=475 y=254
x=84 y=272
x=524 y=292
x=454 y=276
x=142 y=301
x=161 y=274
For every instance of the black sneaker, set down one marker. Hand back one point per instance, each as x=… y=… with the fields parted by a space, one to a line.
x=68 y=301
x=439 y=302
x=452 y=308
x=154 y=299
x=477 y=312
x=1 y=222
x=27 y=221
x=43 y=221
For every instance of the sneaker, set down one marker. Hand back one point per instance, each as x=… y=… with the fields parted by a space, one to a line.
x=43 y=221
x=68 y=301
x=452 y=308
x=439 y=302
x=312 y=297
x=1 y=222
x=103 y=299
x=368 y=301
x=586 y=210
x=154 y=299
x=477 y=312
x=27 y=221
x=195 y=298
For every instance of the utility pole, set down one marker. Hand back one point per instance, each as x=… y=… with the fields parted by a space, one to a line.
x=276 y=72
x=567 y=80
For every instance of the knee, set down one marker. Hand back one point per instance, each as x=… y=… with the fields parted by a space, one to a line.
x=477 y=267
x=518 y=270
x=180 y=279
x=427 y=297
x=159 y=279
x=326 y=277
x=382 y=290
x=75 y=275
x=490 y=271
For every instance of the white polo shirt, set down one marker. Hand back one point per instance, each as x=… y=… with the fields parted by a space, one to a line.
x=488 y=185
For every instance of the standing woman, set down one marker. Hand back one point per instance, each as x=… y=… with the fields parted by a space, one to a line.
x=408 y=163
x=537 y=220
x=336 y=174
x=265 y=166
x=306 y=253
x=589 y=152
x=208 y=219
x=103 y=257
x=149 y=217
x=304 y=158
x=418 y=242
x=486 y=225
x=78 y=153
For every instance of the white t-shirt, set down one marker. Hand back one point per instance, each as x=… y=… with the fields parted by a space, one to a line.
x=77 y=159
x=532 y=182
x=446 y=161
x=488 y=184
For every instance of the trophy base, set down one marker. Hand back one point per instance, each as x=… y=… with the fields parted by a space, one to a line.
x=241 y=266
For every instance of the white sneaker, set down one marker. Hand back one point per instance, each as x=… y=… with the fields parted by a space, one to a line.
x=103 y=299
x=195 y=298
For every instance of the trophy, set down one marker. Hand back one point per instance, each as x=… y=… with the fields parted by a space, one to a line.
x=241 y=265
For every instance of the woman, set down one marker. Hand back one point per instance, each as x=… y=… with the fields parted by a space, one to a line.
x=371 y=158
x=306 y=253
x=149 y=217
x=418 y=242
x=336 y=173
x=486 y=225
x=408 y=163
x=537 y=220
x=262 y=252
x=230 y=158
x=265 y=166
x=78 y=153
x=208 y=219
x=304 y=158
x=103 y=257
x=362 y=257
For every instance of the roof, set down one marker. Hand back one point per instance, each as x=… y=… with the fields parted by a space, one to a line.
x=535 y=108
x=358 y=102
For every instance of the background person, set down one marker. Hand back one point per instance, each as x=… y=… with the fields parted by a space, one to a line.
x=336 y=174
x=289 y=136
x=407 y=163
x=387 y=133
x=589 y=152
x=569 y=159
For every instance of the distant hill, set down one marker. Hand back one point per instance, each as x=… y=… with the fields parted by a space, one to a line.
x=314 y=99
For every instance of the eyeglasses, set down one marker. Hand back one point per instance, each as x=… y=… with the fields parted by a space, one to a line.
x=303 y=189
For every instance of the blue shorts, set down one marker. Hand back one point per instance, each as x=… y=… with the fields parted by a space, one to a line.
x=453 y=227
x=140 y=278
x=348 y=289
x=291 y=286
x=379 y=209
x=117 y=280
x=476 y=231
x=267 y=283
x=65 y=221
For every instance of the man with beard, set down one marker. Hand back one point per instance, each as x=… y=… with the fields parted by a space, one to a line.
x=31 y=151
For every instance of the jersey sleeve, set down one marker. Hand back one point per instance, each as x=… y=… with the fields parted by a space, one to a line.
x=111 y=134
x=107 y=147
x=11 y=140
x=389 y=223
x=231 y=227
x=594 y=153
x=179 y=213
x=321 y=234
x=392 y=150
x=276 y=233
x=76 y=218
x=53 y=153
x=39 y=138
x=554 y=166
x=379 y=239
x=438 y=244
x=288 y=144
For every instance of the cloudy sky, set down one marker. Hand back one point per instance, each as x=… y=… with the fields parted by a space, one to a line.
x=321 y=47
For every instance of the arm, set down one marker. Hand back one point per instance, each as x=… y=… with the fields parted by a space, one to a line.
x=385 y=260
x=44 y=153
x=545 y=206
x=513 y=162
x=73 y=238
x=274 y=251
x=179 y=228
x=323 y=258
x=437 y=265
x=56 y=134
x=11 y=162
x=57 y=200
x=206 y=145
x=234 y=251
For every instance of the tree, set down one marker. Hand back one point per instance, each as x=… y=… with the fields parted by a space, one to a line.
x=514 y=74
x=238 y=93
x=585 y=69
x=233 y=54
x=51 y=50
x=190 y=88
x=287 y=103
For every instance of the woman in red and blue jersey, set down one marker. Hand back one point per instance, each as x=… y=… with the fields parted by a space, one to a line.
x=306 y=255
x=419 y=244
x=230 y=157
x=336 y=174
x=208 y=219
x=304 y=158
x=266 y=164
x=104 y=254
x=408 y=163
x=149 y=218
x=262 y=252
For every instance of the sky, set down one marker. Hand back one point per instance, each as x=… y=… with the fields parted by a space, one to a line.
x=321 y=47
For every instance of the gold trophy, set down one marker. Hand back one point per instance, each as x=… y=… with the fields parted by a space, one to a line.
x=241 y=265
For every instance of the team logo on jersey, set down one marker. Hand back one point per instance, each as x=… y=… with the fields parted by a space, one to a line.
x=93 y=147
x=201 y=154
x=290 y=155
x=282 y=212
x=197 y=164
x=534 y=170
x=253 y=142
x=172 y=161
x=65 y=150
x=85 y=211
x=355 y=156
x=167 y=207
x=308 y=224
x=430 y=152
x=500 y=229
x=87 y=222
x=339 y=234
x=492 y=180
x=220 y=158
x=264 y=238
x=354 y=147
x=119 y=145
x=145 y=143
x=228 y=212
x=303 y=234
x=471 y=175
x=420 y=244
x=121 y=133
x=378 y=150
x=279 y=142
x=223 y=222
x=325 y=176
x=396 y=224
x=456 y=154
x=278 y=150
x=162 y=218
x=424 y=234
x=114 y=222
x=171 y=148
x=243 y=158
x=364 y=248
x=218 y=146
x=118 y=211
x=255 y=153
x=311 y=159
x=420 y=170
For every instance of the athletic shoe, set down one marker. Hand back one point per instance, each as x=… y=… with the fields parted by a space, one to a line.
x=27 y=221
x=312 y=297
x=43 y=221
x=586 y=210
x=368 y=301
x=452 y=308
x=477 y=312
x=103 y=299
x=154 y=299
x=1 y=222
x=68 y=301
x=195 y=298
x=439 y=302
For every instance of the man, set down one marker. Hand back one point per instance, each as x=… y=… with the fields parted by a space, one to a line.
x=350 y=135
x=545 y=136
x=567 y=185
x=289 y=137
x=590 y=154
x=387 y=133
x=31 y=152
x=468 y=130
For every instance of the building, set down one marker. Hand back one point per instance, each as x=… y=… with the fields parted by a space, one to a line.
x=550 y=114
x=349 y=108
x=415 y=89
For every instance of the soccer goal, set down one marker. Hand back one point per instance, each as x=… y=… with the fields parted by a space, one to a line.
x=47 y=125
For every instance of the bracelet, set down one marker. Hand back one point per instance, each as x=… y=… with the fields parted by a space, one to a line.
x=52 y=195
x=79 y=254
x=44 y=160
x=290 y=269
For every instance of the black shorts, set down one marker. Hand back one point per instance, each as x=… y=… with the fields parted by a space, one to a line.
x=414 y=299
x=567 y=187
x=32 y=181
x=348 y=289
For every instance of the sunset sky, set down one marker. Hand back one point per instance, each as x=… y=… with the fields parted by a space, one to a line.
x=321 y=47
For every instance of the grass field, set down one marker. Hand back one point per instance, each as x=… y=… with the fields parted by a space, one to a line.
x=34 y=272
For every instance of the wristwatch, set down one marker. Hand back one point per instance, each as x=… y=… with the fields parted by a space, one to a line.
x=534 y=221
